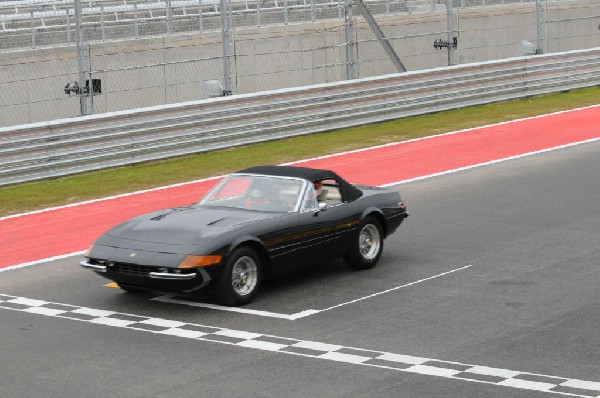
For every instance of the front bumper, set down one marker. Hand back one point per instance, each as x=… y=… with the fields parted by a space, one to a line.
x=153 y=275
x=151 y=280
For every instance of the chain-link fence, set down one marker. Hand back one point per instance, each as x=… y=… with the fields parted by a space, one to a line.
x=135 y=54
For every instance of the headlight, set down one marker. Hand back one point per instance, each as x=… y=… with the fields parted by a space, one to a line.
x=199 y=261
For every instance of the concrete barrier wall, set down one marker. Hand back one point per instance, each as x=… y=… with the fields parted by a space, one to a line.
x=171 y=69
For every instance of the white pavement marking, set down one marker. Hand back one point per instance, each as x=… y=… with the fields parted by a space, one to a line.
x=170 y=298
x=162 y=322
x=527 y=384
x=433 y=371
x=45 y=260
x=189 y=334
x=348 y=358
x=402 y=359
x=313 y=345
x=309 y=349
x=484 y=370
x=262 y=345
x=396 y=288
x=474 y=166
x=585 y=385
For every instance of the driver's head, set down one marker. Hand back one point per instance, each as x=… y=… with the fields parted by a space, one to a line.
x=318 y=186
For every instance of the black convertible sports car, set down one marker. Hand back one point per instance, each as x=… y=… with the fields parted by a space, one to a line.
x=256 y=222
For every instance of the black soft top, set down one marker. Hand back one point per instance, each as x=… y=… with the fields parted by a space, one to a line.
x=349 y=192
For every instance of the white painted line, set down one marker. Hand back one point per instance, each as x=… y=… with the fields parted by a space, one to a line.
x=45 y=260
x=429 y=137
x=299 y=161
x=86 y=202
x=396 y=288
x=44 y=311
x=26 y=301
x=432 y=371
x=486 y=371
x=425 y=177
x=341 y=357
x=584 y=385
x=169 y=298
x=527 y=384
x=262 y=345
x=112 y=322
x=402 y=358
x=188 y=334
x=238 y=334
x=303 y=314
x=93 y=312
x=162 y=323
x=313 y=345
x=321 y=351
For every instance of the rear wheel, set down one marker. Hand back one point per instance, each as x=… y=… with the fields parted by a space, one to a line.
x=367 y=246
x=240 y=280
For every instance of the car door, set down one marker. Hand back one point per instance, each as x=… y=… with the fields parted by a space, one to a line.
x=318 y=234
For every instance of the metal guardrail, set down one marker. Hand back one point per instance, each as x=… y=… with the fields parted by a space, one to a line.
x=68 y=146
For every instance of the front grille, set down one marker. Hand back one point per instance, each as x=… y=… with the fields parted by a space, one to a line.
x=131 y=269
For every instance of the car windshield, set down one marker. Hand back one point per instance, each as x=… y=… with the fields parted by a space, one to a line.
x=256 y=192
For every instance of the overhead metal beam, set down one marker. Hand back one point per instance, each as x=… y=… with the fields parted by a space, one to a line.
x=380 y=36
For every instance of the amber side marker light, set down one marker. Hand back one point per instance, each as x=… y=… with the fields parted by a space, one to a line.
x=199 y=261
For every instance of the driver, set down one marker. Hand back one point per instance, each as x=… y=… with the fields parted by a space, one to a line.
x=321 y=193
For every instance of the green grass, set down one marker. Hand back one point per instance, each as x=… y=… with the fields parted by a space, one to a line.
x=32 y=196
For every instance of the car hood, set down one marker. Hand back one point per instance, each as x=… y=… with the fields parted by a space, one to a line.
x=187 y=225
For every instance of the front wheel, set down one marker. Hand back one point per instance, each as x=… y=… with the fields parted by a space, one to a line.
x=240 y=280
x=367 y=246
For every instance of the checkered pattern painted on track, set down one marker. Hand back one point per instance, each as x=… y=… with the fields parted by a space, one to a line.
x=311 y=349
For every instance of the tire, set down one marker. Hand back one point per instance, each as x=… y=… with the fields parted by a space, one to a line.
x=367 y=246
x=130 y=289
x=241 y=278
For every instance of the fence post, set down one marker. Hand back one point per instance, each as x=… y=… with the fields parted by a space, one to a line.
x=102 y=24
x=258 y=3
x=79 y=45
x=349 y=33
x=225 y=40
x=32 y=31
x=169 y=17
x=136 y=29
x=200 y=19
x=450 y=25
x=68 y=11
x=285 y=12
x=538 y=6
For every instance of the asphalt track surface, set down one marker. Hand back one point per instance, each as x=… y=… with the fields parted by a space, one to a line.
x=490 y=289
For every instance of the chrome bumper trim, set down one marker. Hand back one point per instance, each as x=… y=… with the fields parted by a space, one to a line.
x=93 y=267
x=170 y=276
